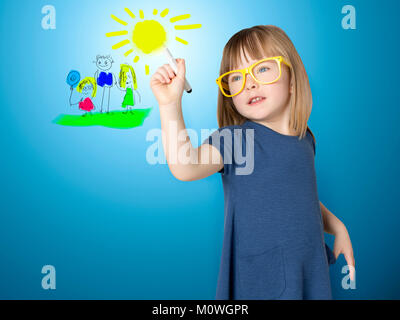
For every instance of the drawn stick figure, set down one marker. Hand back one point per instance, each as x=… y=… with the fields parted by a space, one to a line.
x=128 y=83
x=104 y=79
x=87 y=87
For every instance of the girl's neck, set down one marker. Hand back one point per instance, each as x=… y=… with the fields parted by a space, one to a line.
x=280 y=123
x=281 y=128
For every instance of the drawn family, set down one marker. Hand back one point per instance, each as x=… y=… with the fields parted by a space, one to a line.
x=103 y=81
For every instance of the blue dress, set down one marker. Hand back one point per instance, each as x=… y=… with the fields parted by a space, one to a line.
x=273 y=245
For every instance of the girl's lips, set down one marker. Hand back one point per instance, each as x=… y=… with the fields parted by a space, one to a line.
x=257 y=102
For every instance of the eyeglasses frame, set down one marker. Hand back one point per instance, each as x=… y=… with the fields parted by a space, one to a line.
x=247 y=70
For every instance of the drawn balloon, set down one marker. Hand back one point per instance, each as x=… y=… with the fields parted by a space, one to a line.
x=73 y=78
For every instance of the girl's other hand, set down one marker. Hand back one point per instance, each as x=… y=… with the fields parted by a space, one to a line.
x=343 y=245
x=167 y=86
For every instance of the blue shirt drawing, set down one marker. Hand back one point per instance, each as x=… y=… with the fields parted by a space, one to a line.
x=273 y=245
x=105 y=79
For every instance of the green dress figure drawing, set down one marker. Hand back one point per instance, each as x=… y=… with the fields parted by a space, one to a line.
x=129 y=99
x=128 y=83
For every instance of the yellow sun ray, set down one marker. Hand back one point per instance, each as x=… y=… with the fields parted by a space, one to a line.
x=116 y=33
x=181 y=17
x=119 y=20
x=130 y=13
x=147 y=35
x=164 y=13
x=120 y=44
x=181 y=40
x=187 y=26
x=128 y=52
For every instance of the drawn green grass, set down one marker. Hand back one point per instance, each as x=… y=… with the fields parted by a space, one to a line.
x=113 y=119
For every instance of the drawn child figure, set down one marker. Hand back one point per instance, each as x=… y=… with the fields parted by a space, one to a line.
x=104 y=78
x=87 y=87
x=128 y=83
x=273 y=243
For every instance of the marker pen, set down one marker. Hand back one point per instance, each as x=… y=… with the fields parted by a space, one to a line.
x=174 y=66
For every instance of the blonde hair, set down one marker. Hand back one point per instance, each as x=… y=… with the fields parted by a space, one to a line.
x=84 y=82
x=260 y=41
x=122 y=75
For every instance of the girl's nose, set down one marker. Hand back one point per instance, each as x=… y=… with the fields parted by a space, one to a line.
x=250 y=83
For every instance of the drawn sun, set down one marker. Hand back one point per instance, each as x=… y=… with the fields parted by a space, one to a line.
x=147 y=36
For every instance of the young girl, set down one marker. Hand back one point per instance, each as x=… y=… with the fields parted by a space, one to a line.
x=87 y=87
x=274 y=222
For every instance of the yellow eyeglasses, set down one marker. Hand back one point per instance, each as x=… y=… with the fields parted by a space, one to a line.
x=264 y=71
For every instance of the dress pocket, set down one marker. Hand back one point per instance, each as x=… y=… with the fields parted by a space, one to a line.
x=262 y=276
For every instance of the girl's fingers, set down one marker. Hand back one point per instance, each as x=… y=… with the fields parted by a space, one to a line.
x=170 y=71
x=351 y=263
x=164 y=73
x=162 y=78
x=159 y=77
x=155 y=77
x=349 y=259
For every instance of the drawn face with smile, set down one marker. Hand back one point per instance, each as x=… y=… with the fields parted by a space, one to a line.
x=104 y=63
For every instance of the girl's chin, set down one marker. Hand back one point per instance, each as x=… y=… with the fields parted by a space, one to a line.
x=261 y=112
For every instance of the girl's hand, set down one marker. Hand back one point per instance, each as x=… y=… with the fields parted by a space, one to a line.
x=167 y=86
x=343 y=245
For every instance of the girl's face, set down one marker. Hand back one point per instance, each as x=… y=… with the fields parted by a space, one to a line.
x=129 y=79
x=87 y=89
x=276 y=96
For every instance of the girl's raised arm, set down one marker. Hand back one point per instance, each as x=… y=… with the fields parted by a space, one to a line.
x=70 y=99
x=186 y=163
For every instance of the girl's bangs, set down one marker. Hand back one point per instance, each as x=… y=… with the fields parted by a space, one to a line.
x=251 y=46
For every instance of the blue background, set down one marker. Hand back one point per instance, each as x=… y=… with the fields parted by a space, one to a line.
x=86 y=201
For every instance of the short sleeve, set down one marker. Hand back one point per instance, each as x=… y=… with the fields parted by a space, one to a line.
x=222 y=139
